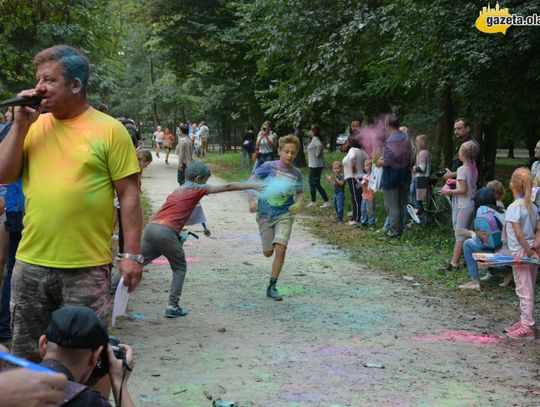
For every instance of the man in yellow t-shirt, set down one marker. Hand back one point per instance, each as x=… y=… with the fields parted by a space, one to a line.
x=72 y=160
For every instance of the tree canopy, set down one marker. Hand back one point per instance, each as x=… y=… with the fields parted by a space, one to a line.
x=293 y=63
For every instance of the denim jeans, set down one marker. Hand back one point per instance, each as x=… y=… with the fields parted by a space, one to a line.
x=5 y=316
x=339 y=202
x=469 y=247
x=249 y=155
x=368 y=212
x=262 y=159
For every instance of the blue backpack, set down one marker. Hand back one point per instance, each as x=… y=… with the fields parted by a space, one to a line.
x=488 y=229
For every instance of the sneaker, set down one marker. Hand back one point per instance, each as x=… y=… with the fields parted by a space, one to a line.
x=388 y=237
x=352 y=222
x=326 y=205
x=337 y=221
x=488 y=277
x=513 y=327
x=272 y=292
x=311 y=205
x=471 y=285
x=175 y=312
x=449 y=267
x=412 y=213
x=522 y=332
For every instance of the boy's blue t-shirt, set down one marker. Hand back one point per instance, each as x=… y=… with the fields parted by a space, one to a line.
x=279 y=204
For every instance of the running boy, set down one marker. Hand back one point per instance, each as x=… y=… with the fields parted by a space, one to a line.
x=160 y=236
x=275 y=214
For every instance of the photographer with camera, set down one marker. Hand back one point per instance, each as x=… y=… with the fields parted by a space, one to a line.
x=77 y=344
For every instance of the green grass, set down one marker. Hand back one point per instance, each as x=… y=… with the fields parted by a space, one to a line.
x=419 y=253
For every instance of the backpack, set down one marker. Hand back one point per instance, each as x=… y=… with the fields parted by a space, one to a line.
x=488 y=229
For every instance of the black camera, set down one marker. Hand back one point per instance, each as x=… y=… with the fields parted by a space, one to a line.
x=119 y=353
x=102 y=364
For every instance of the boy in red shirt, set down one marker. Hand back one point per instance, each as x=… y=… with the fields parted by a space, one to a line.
x=160 y=236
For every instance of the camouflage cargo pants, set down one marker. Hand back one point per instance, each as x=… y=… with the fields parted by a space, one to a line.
x=38 y=291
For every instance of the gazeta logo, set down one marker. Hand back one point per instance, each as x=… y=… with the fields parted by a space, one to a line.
x=490 y=19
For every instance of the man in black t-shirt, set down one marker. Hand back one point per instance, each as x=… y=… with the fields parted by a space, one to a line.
x=462 y=131
x=73 y=345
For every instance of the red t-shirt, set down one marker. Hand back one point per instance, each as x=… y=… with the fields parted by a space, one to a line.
x=178 y=207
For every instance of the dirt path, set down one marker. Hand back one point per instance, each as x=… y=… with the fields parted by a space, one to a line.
x=312 y=349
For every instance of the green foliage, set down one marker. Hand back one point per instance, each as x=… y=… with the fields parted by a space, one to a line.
x=30 y=26
x=292 y=62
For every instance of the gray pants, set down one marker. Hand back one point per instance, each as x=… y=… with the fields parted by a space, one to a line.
x=395 y=200
x=160 y=240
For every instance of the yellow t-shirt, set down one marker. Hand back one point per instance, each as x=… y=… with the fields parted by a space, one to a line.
x=68 y=172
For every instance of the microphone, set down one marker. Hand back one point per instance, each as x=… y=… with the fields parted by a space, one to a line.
x=33 y=101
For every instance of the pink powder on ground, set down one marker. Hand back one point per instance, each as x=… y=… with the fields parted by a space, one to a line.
x=461 y=337
x=162 y=261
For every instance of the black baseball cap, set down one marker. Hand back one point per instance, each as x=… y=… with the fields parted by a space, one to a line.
x=77 y=327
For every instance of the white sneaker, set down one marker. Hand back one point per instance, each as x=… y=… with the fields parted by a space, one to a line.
x=413 y=214
x=311 y=205
x=326 y=205
x=471 y=285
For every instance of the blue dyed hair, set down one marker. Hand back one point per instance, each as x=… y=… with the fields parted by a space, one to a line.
x=74 y=65
x=197 y=169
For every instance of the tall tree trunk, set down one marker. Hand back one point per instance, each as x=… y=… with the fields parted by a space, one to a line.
x=532 y=137
x=444 y=131
x=152 y=80
x=183 y=114
x=511 y=146
x=300 y=160
x=491 y=138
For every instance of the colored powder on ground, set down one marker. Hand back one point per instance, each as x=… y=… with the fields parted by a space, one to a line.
x=461 y=337
x=135 y=315
x=162 y=261
x=275 y=187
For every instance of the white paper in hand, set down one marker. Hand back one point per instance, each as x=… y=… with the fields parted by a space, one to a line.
x=120 y=300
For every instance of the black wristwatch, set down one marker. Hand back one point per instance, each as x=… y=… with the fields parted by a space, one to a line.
x=139 y=258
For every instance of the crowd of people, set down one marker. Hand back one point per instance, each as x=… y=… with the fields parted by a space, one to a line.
x=57 y=275
x=197 y=134
x=392 y=162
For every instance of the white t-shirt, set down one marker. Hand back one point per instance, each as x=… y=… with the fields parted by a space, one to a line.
x=464 y=173
x=158 y=136
x=264 y=146
x=518 y=212
x=204 y=132
x=353 y=163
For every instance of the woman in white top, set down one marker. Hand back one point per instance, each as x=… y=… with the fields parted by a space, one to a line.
x=353 y=169
x=266 y=140
x=316 y=166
